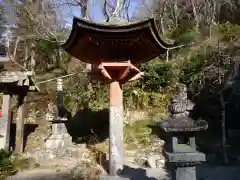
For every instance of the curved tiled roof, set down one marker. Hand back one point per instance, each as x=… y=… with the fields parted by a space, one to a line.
x=137 y=41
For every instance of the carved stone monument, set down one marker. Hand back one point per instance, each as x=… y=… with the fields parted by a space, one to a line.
x=59 y=139
x=180 y=148
x=59 y=143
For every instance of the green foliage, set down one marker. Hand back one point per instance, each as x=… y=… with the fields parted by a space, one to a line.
x=229 y=31
x=188 y=37
x=21 y=163
x=46 y=46
x=136 y=98
x=91 y=95
x=138 y=133
x=193 y=69
x=184 y=34
x=156 y=76
x=6 y=166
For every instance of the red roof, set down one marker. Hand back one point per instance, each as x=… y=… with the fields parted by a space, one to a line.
x=94 y=43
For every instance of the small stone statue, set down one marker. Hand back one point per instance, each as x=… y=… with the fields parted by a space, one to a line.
x=180 y=106
x=179 y=113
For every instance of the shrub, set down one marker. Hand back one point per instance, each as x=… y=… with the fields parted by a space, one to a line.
x=229 y=31
x=138 y=133
x=184 y=34
x=192 y=70
x=6 y=166
x=156 y=77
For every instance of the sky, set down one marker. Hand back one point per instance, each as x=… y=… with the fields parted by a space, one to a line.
x=96 y=10
x=68 y=12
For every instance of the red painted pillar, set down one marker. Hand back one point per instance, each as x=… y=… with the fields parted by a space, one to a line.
x=116 y=73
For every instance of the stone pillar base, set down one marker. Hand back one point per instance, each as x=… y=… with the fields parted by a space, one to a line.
x=185 y=173
x=113 y=178
x=59 y=141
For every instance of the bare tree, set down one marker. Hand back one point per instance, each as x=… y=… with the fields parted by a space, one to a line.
x=195 y=13
x=37 y=26
x=82 y=4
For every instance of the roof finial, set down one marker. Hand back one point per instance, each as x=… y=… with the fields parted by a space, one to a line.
x=116 y=18
x=119 y=7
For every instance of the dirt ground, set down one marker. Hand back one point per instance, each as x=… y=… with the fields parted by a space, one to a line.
x=204 y=172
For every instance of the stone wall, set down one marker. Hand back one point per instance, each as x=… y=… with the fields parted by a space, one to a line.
x=36 y=111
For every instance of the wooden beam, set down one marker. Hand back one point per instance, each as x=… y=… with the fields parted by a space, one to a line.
x=20 y=124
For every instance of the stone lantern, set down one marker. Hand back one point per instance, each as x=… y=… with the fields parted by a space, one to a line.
x=60 y=139
x=180 y=148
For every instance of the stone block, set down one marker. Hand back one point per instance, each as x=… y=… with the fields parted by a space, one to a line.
x=58 y=141
x=185 y=157
x=185 y=173
x=181 y=148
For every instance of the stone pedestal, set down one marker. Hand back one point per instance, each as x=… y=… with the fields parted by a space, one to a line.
x=58 y=145
x=183 y=165
x=60 y=139
x=182 y=159
x=184 y=173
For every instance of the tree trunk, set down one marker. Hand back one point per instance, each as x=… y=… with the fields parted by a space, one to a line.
x=162 y=25
x=175 y=13
x=25 y=55
x=162 y=18
x=215 y=11
x=195 y=14
x=32 y=58
x=105 y=11
x=15 y=47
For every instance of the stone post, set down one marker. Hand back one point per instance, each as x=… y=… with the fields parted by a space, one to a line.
x=20 y=124
x=5 y=122
x=59 y=140
x=116 y=149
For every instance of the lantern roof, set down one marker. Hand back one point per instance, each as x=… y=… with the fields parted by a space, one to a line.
x=112 y=42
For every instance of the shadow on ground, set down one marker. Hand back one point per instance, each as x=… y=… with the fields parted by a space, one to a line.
x=28 y=129
x=210 y=172
x=88 y=126
x=137 y=174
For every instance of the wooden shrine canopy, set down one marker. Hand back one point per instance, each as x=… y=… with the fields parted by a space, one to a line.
x=96 y=42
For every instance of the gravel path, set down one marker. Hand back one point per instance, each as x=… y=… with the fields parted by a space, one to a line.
x=47 y=174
